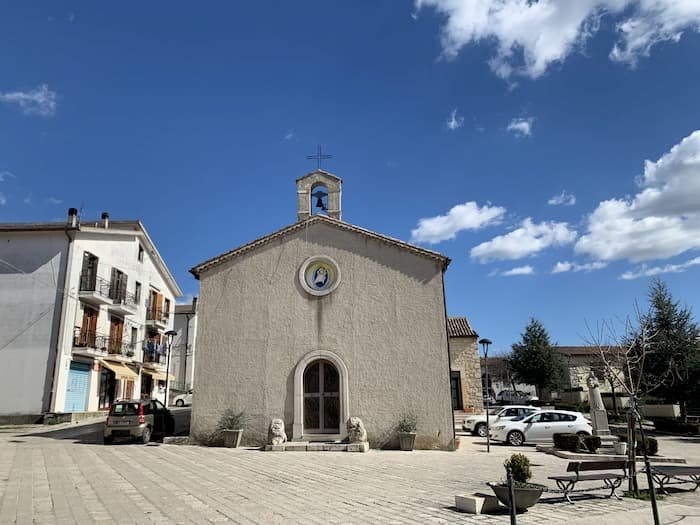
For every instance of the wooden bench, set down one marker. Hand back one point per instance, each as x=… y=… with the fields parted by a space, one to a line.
x=611 y=480
x=663 y=474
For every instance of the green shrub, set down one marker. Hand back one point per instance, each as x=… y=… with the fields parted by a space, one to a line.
x=408 y=423
x=592 y=443
x=567 y=441
x=652 y=446
x=520 y=467
x=232 y=420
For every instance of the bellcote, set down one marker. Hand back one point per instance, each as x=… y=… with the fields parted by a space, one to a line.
x=319 y=192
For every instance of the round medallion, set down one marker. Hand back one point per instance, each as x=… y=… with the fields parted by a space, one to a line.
x=319 y=275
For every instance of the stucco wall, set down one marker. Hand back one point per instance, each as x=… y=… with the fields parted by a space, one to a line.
x=30 y=278
x=464 y=357
x=385 y=320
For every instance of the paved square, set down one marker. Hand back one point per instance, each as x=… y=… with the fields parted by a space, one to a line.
x=49 y=480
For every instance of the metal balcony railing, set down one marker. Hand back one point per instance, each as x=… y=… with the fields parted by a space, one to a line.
x=157 y=314
x=103 y=343
x=89 y=282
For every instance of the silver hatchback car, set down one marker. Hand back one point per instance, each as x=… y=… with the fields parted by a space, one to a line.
x=139 y=419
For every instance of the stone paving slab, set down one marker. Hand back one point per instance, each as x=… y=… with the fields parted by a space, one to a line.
x=46 y=480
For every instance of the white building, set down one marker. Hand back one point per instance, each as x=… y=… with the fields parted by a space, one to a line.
x=182 y=354
x=83 y=312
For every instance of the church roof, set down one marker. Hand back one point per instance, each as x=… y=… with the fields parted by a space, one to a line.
x=460 y=327
x=324 y=172
x=197 y=270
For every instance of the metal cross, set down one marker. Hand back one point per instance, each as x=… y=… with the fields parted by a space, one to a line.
x=319 y=156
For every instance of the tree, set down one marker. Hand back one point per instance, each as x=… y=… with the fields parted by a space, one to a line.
x=535 y=361
x=676 y=345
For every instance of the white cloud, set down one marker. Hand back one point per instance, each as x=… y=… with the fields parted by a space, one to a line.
x=28 y=199
x=528 y=239
x=467 y=216
x=54 y=200
x=4 y=175
x=530 y=36
x=566 y=266
x=289 y=135
x=3 y=199
x=455 y=121
x=519 y=270
x=521 y=127
x=563 y=199
x=646 y=271
x=662 y=220
x=40 y=101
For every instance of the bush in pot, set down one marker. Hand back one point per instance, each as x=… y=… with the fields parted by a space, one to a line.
x=526 y=494
x=231 y=426
x=407 y=431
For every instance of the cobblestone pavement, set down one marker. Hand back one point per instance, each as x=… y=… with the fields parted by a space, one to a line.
x=48 y=480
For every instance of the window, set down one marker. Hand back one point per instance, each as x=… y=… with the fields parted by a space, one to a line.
x=88 y=275
x=134 y=335
x=140 y=253
x=117 y=286
x=137 y=292
x=166 y=308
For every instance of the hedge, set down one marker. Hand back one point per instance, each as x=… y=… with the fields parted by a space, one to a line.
x=592 y=443
x=567 y=441
x=652 y=444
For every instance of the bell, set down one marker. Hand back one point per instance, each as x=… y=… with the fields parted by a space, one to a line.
x=319 y=199
x=319 y=204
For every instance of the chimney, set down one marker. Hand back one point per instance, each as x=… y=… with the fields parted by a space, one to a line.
x=194 y=304
x=72 y=218
x=105 y=220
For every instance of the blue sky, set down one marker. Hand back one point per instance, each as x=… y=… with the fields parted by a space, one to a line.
x=551 y=149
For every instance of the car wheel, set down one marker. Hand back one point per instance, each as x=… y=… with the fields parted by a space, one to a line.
x=179 y=403
x=516 y=438
x=146 y=435
x=480 y=430
x=582 y=434
x=108 y=440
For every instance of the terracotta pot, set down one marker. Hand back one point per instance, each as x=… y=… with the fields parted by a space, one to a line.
x=525 y=497
x=407 y=440
x=232 y=438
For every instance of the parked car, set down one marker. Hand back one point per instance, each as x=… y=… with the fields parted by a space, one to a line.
x=476 y=423
x=513 y=397
x=540 y=427
x=139 y=419
x=183 y=399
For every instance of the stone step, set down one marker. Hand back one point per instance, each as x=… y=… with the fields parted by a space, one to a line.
x=318 y=446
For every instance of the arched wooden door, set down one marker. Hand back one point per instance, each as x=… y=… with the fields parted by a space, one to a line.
x=321 y=398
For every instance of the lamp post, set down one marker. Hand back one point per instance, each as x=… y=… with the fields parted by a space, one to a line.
x=485 y=345
x=170 y=334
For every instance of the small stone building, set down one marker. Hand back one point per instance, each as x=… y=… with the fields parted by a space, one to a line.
x=465 y=372
x=323 y=320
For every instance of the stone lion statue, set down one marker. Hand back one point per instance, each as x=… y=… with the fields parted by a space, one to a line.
x=276 y=434
x=356 y=430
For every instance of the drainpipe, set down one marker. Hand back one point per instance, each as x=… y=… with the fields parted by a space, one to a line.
x=71 y=225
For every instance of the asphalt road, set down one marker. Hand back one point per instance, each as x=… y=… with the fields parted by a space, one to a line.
x=93 y=432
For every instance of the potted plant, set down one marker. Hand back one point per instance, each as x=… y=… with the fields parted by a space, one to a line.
x=526 y=494
x=407 y=431
x=231 y=426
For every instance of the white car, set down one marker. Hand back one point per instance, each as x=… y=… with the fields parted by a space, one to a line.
x=476 y=423
x=183 y=399
x=514 y=396
x=540 y=427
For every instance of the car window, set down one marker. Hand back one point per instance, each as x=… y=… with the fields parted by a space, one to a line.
x=535 y=419
x=511 y=412
x=147 y=408
x=125 y=409
x=567 y=417
x=528 y=410
x=158 y=406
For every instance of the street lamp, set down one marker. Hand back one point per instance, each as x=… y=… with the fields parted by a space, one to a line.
x=485 y=345
x=170 y=334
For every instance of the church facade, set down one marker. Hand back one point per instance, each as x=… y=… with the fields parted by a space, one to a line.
x=320 y=321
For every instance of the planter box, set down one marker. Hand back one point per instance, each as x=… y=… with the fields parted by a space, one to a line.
x=232 y=438
x=524 y=497
x=407 y=440
x=476 y=503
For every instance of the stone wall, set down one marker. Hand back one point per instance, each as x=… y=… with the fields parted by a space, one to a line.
x=464 y=357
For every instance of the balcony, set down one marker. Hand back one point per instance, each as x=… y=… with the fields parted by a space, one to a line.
x=93 y=343
x=123 y=303
x=94 y=290
x=157 y=318
x=153 y=353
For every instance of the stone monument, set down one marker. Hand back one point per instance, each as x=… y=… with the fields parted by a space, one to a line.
x=276 y=434
x=599 y=415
